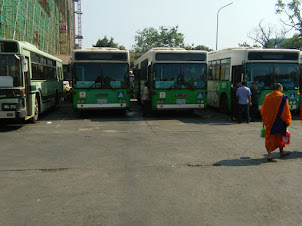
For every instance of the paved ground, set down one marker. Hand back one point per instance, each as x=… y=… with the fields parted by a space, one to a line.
x=171 y=169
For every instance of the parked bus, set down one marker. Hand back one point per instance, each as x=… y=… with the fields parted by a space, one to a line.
x=101 y=79
x=264 y=66
x=31 y=81
x=300 y=83
x=176 y=78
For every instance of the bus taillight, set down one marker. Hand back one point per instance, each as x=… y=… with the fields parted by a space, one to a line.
x=22 y=93
x=153 y=93
x=128 y=92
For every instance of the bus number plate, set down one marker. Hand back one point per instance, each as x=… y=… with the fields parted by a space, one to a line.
x=180 y=101
x=102 y=101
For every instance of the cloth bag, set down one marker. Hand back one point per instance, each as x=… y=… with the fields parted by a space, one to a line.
x=262 y=134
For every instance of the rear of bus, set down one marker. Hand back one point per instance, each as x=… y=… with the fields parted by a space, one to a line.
x=101 y=79
x=267 y=67
x=179 y=80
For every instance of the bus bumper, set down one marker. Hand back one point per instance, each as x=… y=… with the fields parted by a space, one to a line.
x=102 y=106
x=291 y=107
x=179 y=106
x=12 y=114
x=7 y=114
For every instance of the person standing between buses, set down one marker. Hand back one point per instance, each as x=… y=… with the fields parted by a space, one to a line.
x=255 y=99
x=234 y=101
x=276 y=117
x=146 y=100
x=244 y=94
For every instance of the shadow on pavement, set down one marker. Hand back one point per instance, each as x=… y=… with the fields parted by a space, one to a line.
x=9 y=127
x=247 y=161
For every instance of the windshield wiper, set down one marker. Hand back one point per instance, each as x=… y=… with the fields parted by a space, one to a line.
x=170 y=87
x=90 y=87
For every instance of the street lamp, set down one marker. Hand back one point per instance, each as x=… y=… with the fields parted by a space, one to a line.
x=217 y=22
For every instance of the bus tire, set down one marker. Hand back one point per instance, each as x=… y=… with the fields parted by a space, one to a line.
x=223 y=103
x=57 y=98
x=34 y=119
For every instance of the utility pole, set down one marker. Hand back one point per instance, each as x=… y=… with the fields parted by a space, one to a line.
x=217 y=22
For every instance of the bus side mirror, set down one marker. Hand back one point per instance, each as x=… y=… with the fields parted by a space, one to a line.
x=25 y=64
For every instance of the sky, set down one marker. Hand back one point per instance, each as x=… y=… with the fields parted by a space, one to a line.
x=196 y=19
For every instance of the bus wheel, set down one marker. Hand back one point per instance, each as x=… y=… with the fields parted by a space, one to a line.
x=36 y=116
x=223 y=103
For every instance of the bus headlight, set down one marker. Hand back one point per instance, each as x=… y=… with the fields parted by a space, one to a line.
x=294 y=102
x=13 y=106
x=9 y=107
x=5 y=107
x=124 y=101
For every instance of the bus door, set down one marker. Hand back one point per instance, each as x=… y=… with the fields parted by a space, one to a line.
x=236 y=74
x=28 y=98
x=150 y=81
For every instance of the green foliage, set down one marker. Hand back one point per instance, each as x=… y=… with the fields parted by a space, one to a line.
x=150 y=38
x=293 y=43
x=292 y=11
x=105 y=42
x=199 y=47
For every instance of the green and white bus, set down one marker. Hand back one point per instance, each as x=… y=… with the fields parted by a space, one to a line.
x=264 y=66
x=177 y=78
x=31 y=81
x=101 y=79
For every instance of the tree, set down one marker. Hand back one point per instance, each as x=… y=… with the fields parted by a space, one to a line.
x=150 y=38
x=105 y=42
x=199 y=47
x=292 y=11
x=293 y=43
x=248 y=45
x=267 y=36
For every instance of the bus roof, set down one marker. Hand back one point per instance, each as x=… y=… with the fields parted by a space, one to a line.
x=240 y=54
x=251 y=49
x=150 y=55
x=100 y=49
x=30 y=47
x=101 y=54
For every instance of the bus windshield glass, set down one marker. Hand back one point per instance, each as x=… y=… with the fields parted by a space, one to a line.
x=10 y=66
x=179 y=76
x=267 y=74
x=105 y=76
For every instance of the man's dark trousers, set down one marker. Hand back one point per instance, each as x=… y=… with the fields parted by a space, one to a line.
x=246 y=109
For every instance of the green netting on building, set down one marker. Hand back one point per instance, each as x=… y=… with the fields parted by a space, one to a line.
x=34 y=21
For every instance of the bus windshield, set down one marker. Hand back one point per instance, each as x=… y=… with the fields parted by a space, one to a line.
x=267 y=74
x=179 y=76
x=104 y=76
x=10 y=66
